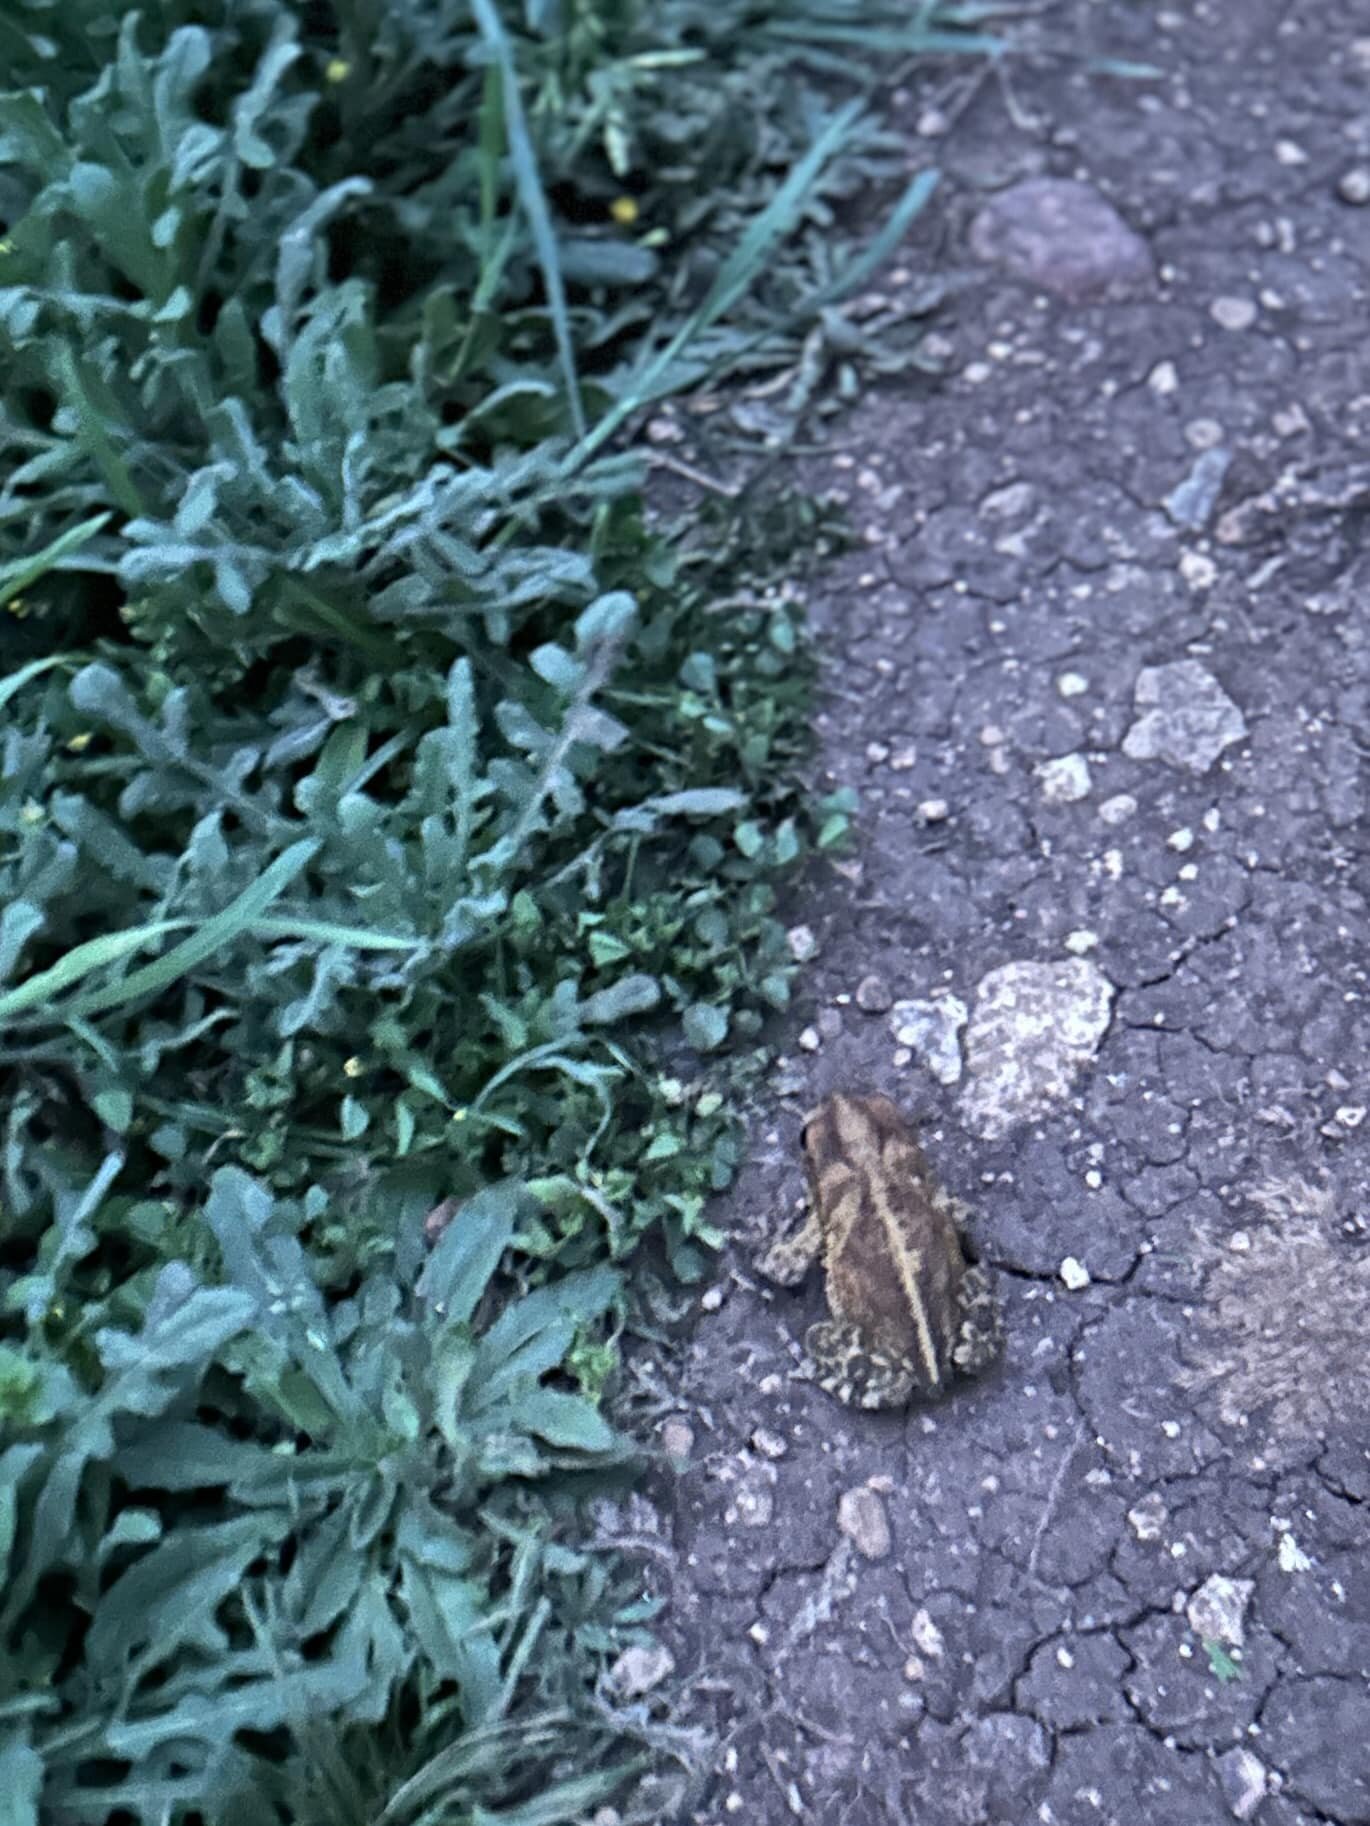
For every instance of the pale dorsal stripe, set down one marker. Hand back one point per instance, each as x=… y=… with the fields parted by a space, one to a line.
x=909 y=1263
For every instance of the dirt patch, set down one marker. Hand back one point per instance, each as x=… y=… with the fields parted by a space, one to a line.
x=1042 y=531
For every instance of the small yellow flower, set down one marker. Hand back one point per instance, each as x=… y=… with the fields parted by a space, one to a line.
x=337 y=69
x=624 y=211
x=81 y=741
x=18 y=607
x=459 y=1115
x=32 y=813
x=353 y=1067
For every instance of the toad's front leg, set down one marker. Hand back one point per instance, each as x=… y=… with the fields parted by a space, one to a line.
x=790 y=1258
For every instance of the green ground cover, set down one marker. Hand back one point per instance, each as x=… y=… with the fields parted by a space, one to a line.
x=393 y=815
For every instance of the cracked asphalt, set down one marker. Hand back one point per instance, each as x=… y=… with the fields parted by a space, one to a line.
x=1125 y=1578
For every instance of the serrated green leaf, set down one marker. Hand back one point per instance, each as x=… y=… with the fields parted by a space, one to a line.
x=283 y=1699
x=449 y=1612
x=145 y=1373
x=326 y=1577
x=170 y=1597
x=533 y=1335
x=567 y=1421
x=187 y=1455
x=325 y=932
x=468 y=1252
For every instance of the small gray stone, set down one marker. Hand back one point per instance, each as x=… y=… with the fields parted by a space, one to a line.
x=1065 y=780
x=1009 y=503
x=861 y=1517
x=1148 y=1516
x=802 y=943
x=1354 y=185
x=1217 y=1610
x=640 y=1668
x=932 y=1029
x=1243 y=1781
x=1185 y=718
x=768 y=1444
x=1233 y=313
x=1032 y=1028
x=1191 y=504
x=873 y=995
x=677 y=1437
x=1061 y=235
x=753 y=1502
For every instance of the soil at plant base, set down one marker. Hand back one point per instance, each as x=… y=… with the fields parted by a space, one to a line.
x=1100 y=673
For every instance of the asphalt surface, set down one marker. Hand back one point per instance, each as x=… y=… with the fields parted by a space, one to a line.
x=1099 y=671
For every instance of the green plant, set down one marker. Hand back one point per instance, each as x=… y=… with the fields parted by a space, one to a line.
x=392 y=817
x=352 y=1531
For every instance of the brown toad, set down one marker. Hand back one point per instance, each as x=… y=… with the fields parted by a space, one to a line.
x=908 y=1308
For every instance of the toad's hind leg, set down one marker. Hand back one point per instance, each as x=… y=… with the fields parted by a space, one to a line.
x=979 y=1336
x=845 y=1365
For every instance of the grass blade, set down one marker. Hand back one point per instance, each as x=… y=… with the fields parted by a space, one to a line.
x=226 y=925
x=95 y=432
x=324 y=932
x=16 y=577
x=16 y=681
x=534 y=202
x=79 y=962
x=736 y=274
x=887 y=40
x=237 y=917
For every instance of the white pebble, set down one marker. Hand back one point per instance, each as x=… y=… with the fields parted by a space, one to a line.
x=1233 y=313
